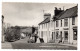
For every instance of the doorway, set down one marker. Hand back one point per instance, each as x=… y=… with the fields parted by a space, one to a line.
x=66 y=35
x=53 y=36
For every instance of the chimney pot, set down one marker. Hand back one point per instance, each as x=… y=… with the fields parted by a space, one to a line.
x=59 y=8
x=56 y=8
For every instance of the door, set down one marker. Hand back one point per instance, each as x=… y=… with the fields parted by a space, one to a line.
x=65 y=36
x=53 y=36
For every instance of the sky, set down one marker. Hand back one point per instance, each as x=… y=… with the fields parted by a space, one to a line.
x=29 y=14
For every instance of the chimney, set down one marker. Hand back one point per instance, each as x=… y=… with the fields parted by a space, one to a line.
x=59 y=8
x=57 y=11
x=46 y=15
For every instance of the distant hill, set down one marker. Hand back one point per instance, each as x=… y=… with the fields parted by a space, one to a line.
x=26 y=30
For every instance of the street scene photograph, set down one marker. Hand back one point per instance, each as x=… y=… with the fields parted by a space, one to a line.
x=29 y=25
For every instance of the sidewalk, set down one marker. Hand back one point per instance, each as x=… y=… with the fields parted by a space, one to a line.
x=6 y=45
x=74 y=45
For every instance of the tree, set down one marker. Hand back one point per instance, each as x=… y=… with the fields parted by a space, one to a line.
x=17 y=32
x=13 y=33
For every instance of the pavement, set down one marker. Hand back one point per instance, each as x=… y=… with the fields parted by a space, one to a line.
x=74 y=45
x=6 y=45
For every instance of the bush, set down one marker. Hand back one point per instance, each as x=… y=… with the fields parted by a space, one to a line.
x=10 y=35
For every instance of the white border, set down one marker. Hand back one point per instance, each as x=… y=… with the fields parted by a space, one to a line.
x=44 y=1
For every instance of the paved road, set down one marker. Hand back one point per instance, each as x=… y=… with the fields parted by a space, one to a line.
x=41 y=46
x=22 y=44
x=22 y=40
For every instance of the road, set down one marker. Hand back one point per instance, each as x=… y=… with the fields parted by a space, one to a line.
x=22 y=44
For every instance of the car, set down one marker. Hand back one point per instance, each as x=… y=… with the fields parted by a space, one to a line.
x=31 y=41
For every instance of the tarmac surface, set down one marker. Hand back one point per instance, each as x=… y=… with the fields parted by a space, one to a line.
x=22 y=44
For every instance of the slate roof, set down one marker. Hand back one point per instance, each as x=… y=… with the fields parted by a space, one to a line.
x=71 y=12
x=45 y=21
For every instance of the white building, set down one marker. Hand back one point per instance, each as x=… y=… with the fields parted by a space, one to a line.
x=62 y=28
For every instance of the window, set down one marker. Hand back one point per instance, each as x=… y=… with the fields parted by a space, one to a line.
x=39 y=26
x=52 y=35
x=56 y=23
x=57 y=34
x=46 y=25
x=65 y=22
x=73 y=21
x=42 y=34
x=42 y=26
x=61 y=23
x=61 y=35
x=49 y=24
x=74 y=34
x=66 y=35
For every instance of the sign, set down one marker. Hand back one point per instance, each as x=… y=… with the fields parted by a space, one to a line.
x=66 y=28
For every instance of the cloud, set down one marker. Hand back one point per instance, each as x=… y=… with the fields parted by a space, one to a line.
x=28 y=14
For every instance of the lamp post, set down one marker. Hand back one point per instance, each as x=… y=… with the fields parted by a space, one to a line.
x=3 y=37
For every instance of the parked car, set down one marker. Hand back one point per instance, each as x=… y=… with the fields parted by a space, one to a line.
x=31 y=41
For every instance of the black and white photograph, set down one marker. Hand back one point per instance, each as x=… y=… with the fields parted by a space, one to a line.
x=29 y=25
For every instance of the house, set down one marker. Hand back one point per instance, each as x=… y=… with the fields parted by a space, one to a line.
x=43 y=29
x=66 y=26
x=62 y=28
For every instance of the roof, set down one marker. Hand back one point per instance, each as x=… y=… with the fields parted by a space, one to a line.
x=71 y=12
x=45 y=21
